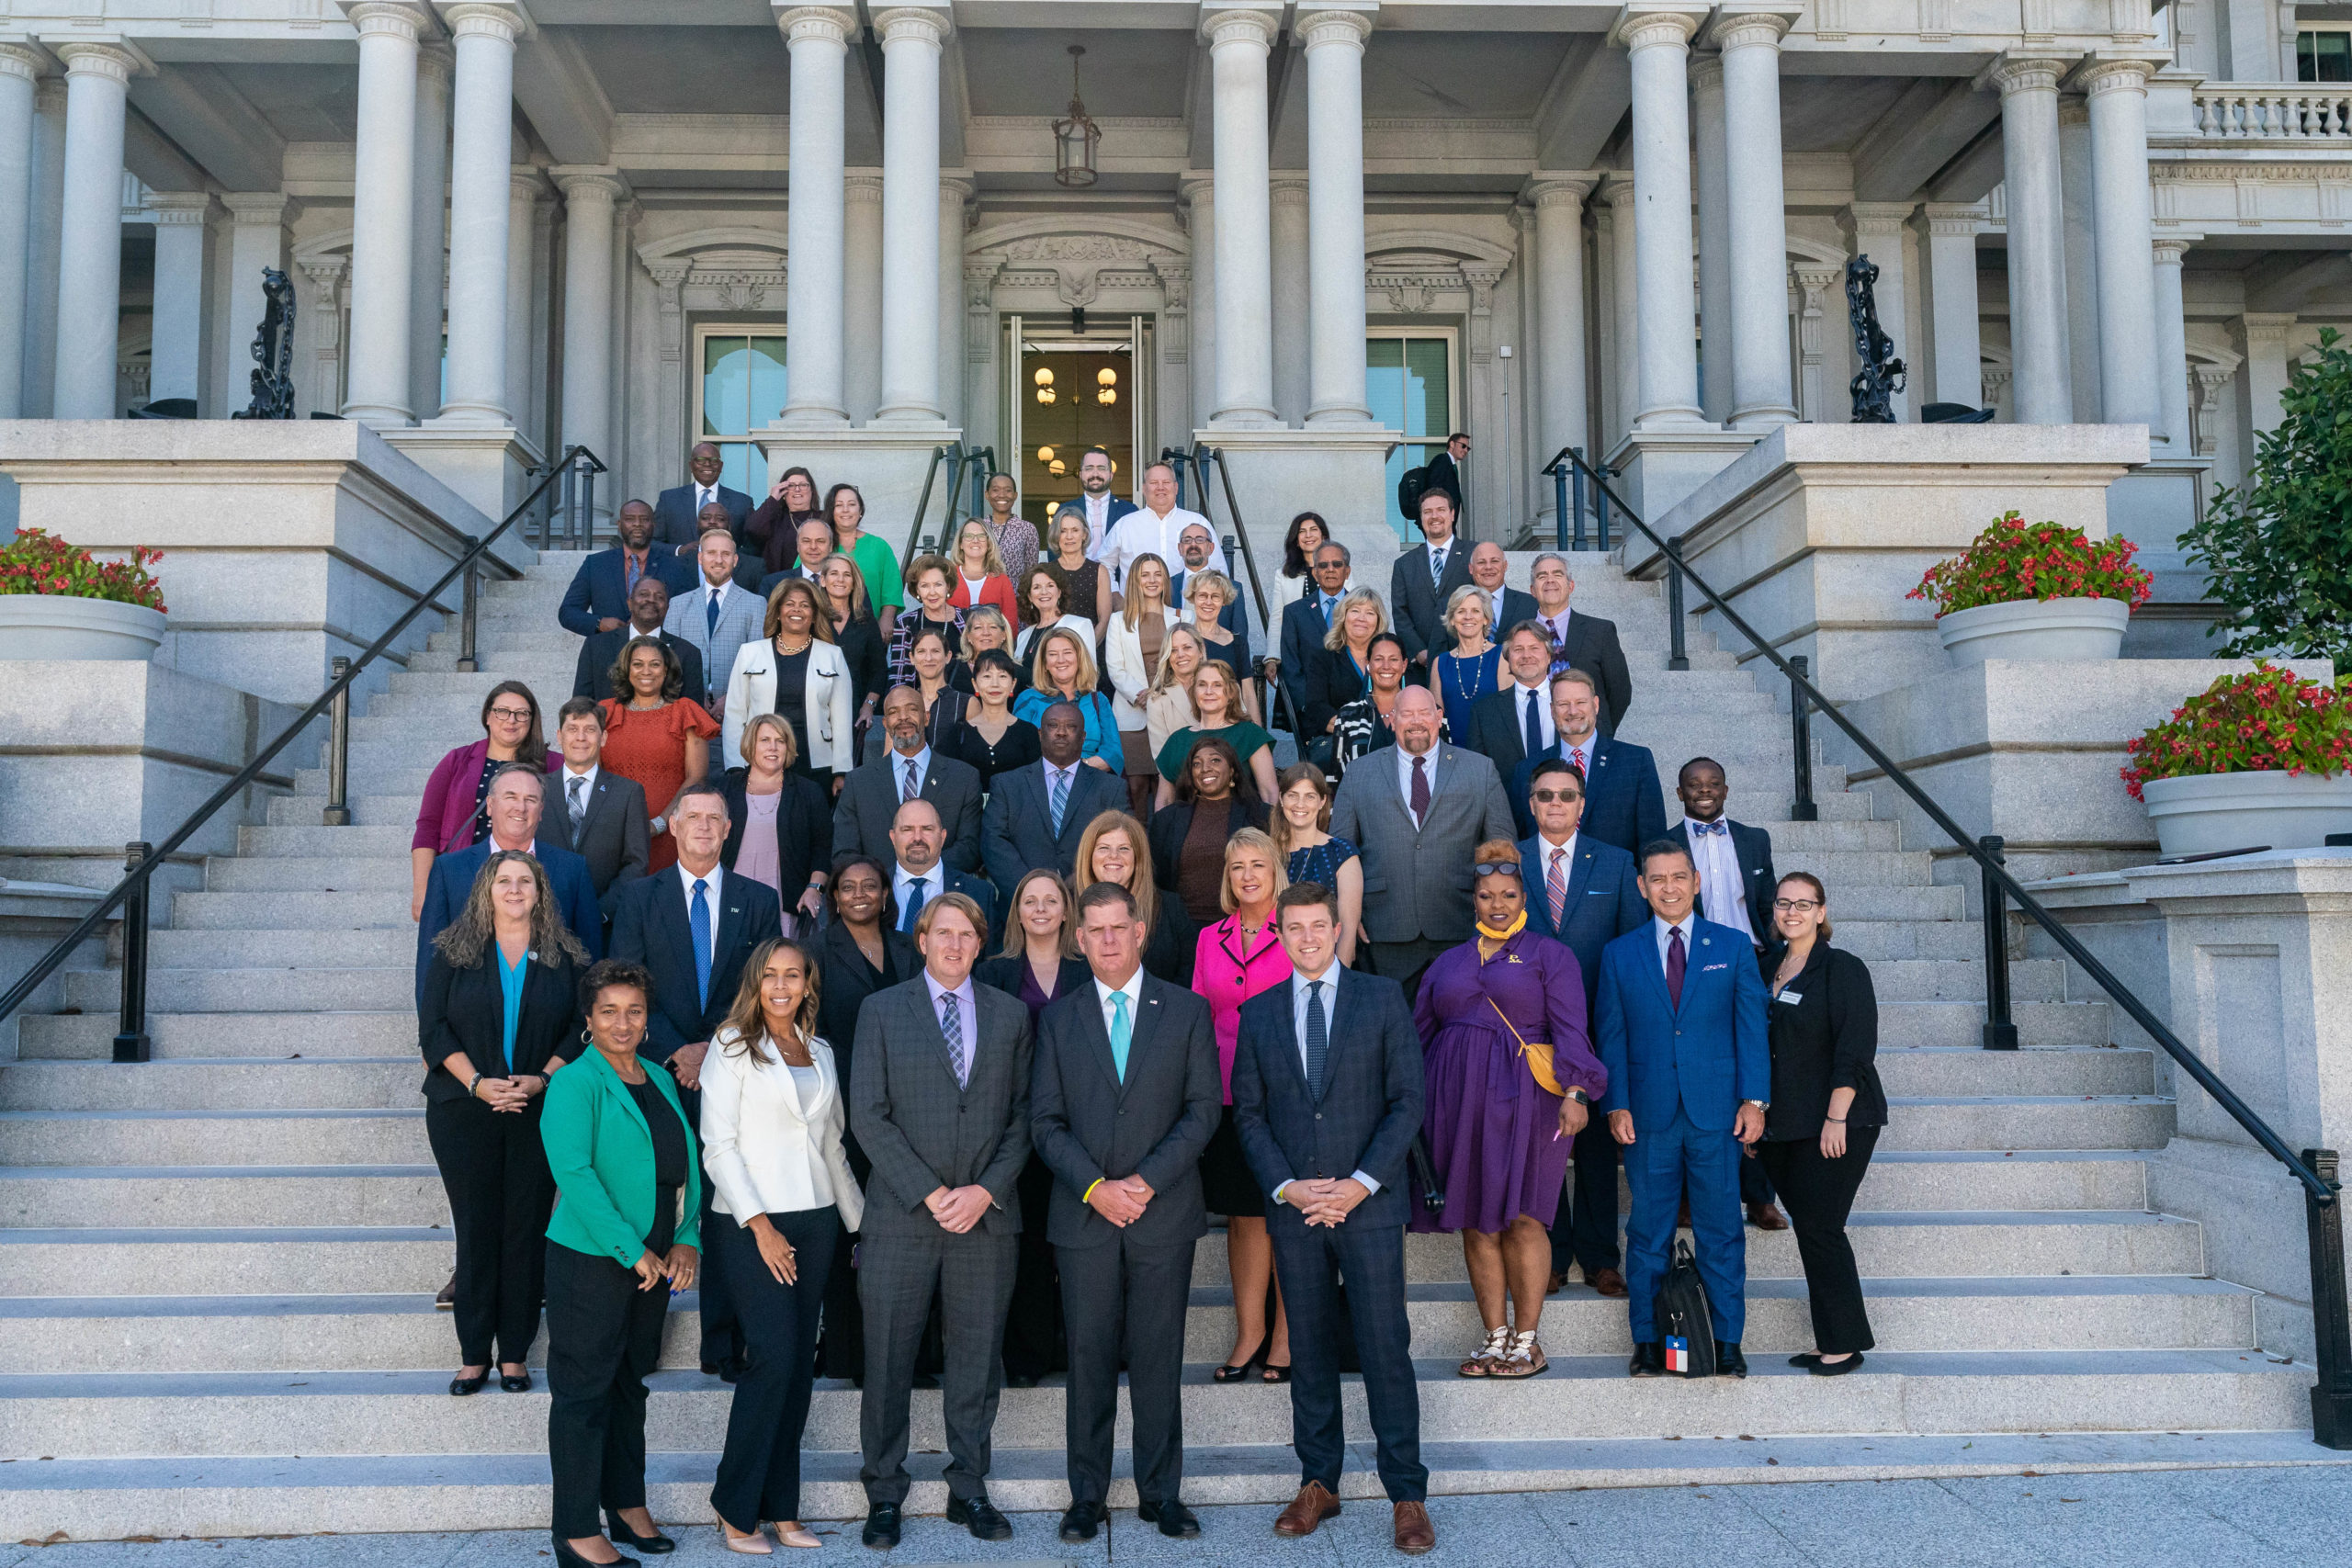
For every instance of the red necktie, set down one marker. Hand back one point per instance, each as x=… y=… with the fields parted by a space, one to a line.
x=1576 y=757
x=1676 y=962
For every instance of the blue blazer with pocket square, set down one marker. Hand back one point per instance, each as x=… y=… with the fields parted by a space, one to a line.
x=1604 y=901
x=1706 y=1055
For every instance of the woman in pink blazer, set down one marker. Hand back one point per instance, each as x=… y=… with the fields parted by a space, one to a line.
x=450 y=816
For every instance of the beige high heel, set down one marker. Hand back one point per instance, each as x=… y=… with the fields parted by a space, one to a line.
x=790 y=1532
x=753 y=1545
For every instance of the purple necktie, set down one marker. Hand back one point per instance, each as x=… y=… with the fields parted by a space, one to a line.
x=1676 y=963
x=1420 y=793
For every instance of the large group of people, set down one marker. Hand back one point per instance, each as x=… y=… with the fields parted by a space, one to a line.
x=919 y=969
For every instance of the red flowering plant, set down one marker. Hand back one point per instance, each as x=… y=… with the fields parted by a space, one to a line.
x=35 y=561
x=2267 y=720
x=2015 y=559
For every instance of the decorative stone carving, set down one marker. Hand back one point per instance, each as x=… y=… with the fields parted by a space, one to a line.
x=1813 y=284
x=1480 y=279
x=2205 y=385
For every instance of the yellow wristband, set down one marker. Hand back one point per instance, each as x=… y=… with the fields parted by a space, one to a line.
x=1088 y=1196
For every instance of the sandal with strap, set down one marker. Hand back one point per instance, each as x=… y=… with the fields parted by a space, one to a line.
x=1482 y=1364
x=1524 y=1359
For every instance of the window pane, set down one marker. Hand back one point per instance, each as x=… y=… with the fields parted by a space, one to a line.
x=2323 y=56
x=1427 y=411
x=768 y=386
x=736 y=461
x=726 y=385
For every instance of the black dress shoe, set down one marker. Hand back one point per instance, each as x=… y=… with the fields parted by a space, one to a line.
x=1729 y=1363
x=881 y=1527
x=1080 y=1520
x=1822 y=1368
x=567 y=1558
x=979 y=1516
x=514 y=1384
x=1173 y=1518
x=1649 y=1359
x=652 y=1545
x=1805 y=1358
x=1021 y=1380
x=462 y=1385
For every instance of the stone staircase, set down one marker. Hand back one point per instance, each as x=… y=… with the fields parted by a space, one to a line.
x=221 y=1265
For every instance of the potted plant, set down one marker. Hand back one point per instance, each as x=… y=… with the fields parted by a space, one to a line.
x=2035 y=590
x=2255 y=759
x=58 y=601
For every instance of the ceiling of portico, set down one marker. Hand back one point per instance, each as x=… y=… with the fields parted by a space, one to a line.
x=707 y=70
x=1822 y=116
x=1468 y=76
x=1026 y=71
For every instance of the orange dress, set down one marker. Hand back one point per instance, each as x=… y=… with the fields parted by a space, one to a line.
x=649 y=746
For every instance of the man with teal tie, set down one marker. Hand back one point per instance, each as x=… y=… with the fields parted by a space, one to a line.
x=1123 y=1096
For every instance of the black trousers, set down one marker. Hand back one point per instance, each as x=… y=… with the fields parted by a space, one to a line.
x=495 y=1170
x=759 y=1471
x=1585 y=1231
x=1120 y=1297
x=1819 y=1194
x=604 y=1336
x=1033 y=1345
x=897 y=1274
x=1310 y=1260
x=722 y=1336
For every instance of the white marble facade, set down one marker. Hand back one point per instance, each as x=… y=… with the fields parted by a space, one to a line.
x=510 y=221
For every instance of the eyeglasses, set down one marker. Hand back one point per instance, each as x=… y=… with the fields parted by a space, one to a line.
x=513 y=716
x=1555 y=796
x=1794 y=906
x=1499 y=868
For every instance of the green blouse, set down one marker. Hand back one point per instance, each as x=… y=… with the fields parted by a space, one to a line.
x=877 y=563
x=1244 y=738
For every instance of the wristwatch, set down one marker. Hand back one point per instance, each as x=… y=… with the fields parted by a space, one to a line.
x=1579 y=1096
x=1758 y=1104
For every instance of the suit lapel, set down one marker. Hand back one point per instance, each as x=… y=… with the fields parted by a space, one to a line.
x=1579 y=870
x=1294 y=1062
x=1336 y=1032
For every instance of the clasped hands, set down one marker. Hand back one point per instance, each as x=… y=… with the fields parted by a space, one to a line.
x=958 y=1209
x=511 y=1094
x=678 y=1269
x=1325 y=1202
x=1121 y=1201
x=1746 y=1126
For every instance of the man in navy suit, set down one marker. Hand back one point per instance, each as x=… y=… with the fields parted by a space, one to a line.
x=598 y=599
x=1037 y=815
x=918 y=875
x=1326 y=1100
x=1306 y=622
x=1679 y=1021
x=517 y=796
x=695 y=927
x=1623 y=803
x=1583 y=892
x=1511 y=725
x=675 y=512
x=1102 y=508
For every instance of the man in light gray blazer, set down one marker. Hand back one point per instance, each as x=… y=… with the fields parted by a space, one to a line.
x=719 y=617
x=1417 y=811
x=939 y=1102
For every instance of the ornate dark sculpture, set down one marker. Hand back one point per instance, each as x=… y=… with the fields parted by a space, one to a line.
x=274 y=351
x=1882 y=375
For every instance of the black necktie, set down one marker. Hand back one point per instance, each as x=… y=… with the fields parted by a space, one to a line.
x=1534 y=728
x=1319 y=1039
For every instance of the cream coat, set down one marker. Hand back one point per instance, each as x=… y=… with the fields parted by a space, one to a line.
x=750 y=691
x=763 y=1154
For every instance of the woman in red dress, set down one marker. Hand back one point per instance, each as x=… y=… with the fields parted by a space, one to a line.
x=656 y=736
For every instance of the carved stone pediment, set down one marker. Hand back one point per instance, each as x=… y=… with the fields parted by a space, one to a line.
x=1077 y=266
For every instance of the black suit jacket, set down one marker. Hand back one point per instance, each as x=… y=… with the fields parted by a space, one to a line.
x=1004 y=972
x=613 y=838
x=924 y=1131
x=1591 y=646
x=849 y=980
x=1443 y=474
x=674 y=521
x=1517 y=607
x=1757 y=879
x=1088 y=1124
x=652 y=927
x=1498 y=726
x=1825 y=1036
x=1370 y=1110
x=1017 y=833
x=1300 y=643
x=593 y=677
x=869 y=800
x=1331 y=683
x=1167 y=832
x=1417 y=605
x=464 y=1009
x=804 y=829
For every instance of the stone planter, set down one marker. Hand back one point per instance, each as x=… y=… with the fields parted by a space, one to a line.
x=2035 y=629
x=2207 y=812
x=52 y=626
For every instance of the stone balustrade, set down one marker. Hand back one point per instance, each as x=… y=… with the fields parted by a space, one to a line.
x=2243 y=111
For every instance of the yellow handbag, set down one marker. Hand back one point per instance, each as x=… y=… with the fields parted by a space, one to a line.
x=1537 y=1055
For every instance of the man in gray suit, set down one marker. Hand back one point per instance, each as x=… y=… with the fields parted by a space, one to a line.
x=599 y=816
x=908 y=769
x=719 y=617
x=1124 y=1097
x=1417 y=812
x=939 y=1100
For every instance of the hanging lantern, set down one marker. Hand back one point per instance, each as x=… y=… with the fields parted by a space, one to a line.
x=1106 y=377
x=1044 y=377
x=1075 y=138
x=1057 y=467
x=1045 y=394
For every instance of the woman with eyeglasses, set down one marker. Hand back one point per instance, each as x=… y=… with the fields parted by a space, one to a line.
x=1824 y=1115
x=451 y=817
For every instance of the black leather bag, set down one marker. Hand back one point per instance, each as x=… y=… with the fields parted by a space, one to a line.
x=1684 y=1327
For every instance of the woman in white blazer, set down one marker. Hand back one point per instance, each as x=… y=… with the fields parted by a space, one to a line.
x=796 y=672
x=781 y=1196
x=1131 y=652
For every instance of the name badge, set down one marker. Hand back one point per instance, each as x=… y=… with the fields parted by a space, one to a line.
x=1791 y=998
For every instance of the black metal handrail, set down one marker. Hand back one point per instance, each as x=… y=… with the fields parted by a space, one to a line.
x=1199 y=458
x=958 y=458
x=132 y=888
x=2314 y=1169
x=1567 y=468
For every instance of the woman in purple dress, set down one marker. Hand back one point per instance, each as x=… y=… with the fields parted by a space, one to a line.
x=1496 y=1015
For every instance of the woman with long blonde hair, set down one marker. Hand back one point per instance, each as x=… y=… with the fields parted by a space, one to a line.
x=1131 y=652
x=1115 y=848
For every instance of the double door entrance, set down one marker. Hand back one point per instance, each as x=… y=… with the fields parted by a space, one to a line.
x=1070 y=387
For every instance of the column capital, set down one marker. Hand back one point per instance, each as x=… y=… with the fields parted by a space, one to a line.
x=325 y=272
x=922 y=24
x=814 y=24
x=2116 y=71
x=262 y=208
x=1287 y=190
x=1327 y=26
x=1617 y=188
x=2170 y=248
x=1706 y=72
x=1560 y=190
x=118 y=59
x=1752 y=23
x=962 y=186
x=436 y=62
x=864 y=190
x=405 y=20
x=1195 y=189
x=590 y=182
x=1874 y=220
x=2267 y=328
x=180 y=208
x=1951 y=218
x=1655 y=24
x=22 y=58
x=2023 y=73
x=527 y=180
x=1223 y=23
x=503 y=20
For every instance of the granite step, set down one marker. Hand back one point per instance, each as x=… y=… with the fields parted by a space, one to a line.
x=316 y=910
x=197 y=1035
x=253 y=990
x=1955 y=1023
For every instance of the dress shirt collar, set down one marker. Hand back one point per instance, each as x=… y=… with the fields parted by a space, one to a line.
x=718 y=590
x=934 y=881
x=1543 y=854
x=1664 y=931
x=1329 y=979
x=1132 y=990
x=1404 y=772
x=1588 y=743
x=526 y=847
x=899 y=760
x=687 y=879
x=962 y=993
x=588 y=787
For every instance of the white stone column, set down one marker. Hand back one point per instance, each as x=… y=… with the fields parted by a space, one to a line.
x=20 y=68
x=1198 y=195
x=1716 y=352
x=1659 y=40
x=176 y=337
x=37 y=386
x=911 y=40
x=818 y=36
x=2266 y=368
x=524 y=185
x=1624 y=273
x=861 y=306
x=2172 y=347
x=1239 y=41
x=2126 y=260
x=428 y=233
x=256 y=240
x=1562 y=419
x=2043 y=391
x=2080 y=244
x=591 y=193
x=1947 y=235
x=1761 y=391
x=1290 y=235
x=481 y=182
x=383 y=211
x=1876 y=229
x=1335 y=382
x=955 y=191
x=324 y=304
x=89 y=280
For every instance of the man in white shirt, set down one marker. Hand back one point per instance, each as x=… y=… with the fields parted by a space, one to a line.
x=1155 y=528
x=1516 y=723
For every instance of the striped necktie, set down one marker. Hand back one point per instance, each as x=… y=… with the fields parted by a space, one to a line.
x=1556 y=891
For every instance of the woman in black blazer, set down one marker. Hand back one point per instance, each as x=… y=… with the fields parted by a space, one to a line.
x=800 y=829
x=1212 y=782
x=500 y=1012
x=1826 y=1112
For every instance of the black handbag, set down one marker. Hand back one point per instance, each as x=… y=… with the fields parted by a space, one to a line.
x=1683 y=1323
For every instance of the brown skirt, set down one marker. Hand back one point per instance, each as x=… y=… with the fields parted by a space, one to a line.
x=1136 y=744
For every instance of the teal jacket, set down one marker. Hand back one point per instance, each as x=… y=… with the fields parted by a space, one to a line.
x=602 y=1154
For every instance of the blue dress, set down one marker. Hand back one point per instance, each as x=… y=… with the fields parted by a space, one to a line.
x=1322 y=862
x=1461 y=682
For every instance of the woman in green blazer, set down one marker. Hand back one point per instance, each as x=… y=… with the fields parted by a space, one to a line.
x=629 y=1185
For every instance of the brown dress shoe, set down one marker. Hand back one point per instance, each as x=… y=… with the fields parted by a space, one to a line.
x=1766 y=1217
x=1309 y=1508
x=1559 y=1282
x=1610 y=1283
x=1414 y=1534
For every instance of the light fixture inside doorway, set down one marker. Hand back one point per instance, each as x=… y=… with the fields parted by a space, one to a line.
x=1106 y=390
x=1075 y=138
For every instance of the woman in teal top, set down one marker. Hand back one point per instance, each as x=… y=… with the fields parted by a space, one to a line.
x=623 y=1239
x=1066 y=673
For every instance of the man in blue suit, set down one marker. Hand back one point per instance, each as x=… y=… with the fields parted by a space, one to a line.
x=1037 y=814
x=1102 y=508
x=598 y=599
x=1306 y=622
x=1327 y=1100
x=676 y=513
x=1623 y=803
x=517 y=796
x=1582 y=893
x=1680 y=1023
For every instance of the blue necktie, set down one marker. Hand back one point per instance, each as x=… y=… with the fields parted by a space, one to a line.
x=710 y=614
x=1319 y=1039
x=1122 y=1034
x=914 y=902
x=698 y=918
x=1534 y=728
x=1327 y=605
x=1060 y=798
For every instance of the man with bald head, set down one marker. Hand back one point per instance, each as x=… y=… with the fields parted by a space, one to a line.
x=598 y=599
x=1157 y=528
x=1417 y=814
x=675 y=514
x=918 y=875
x=1506 y=607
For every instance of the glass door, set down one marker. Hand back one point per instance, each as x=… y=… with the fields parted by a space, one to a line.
x=1408 y=384
x=742 y=387
x=1066 y=393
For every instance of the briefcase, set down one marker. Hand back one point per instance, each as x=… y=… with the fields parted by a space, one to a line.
x=1682 y=1320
